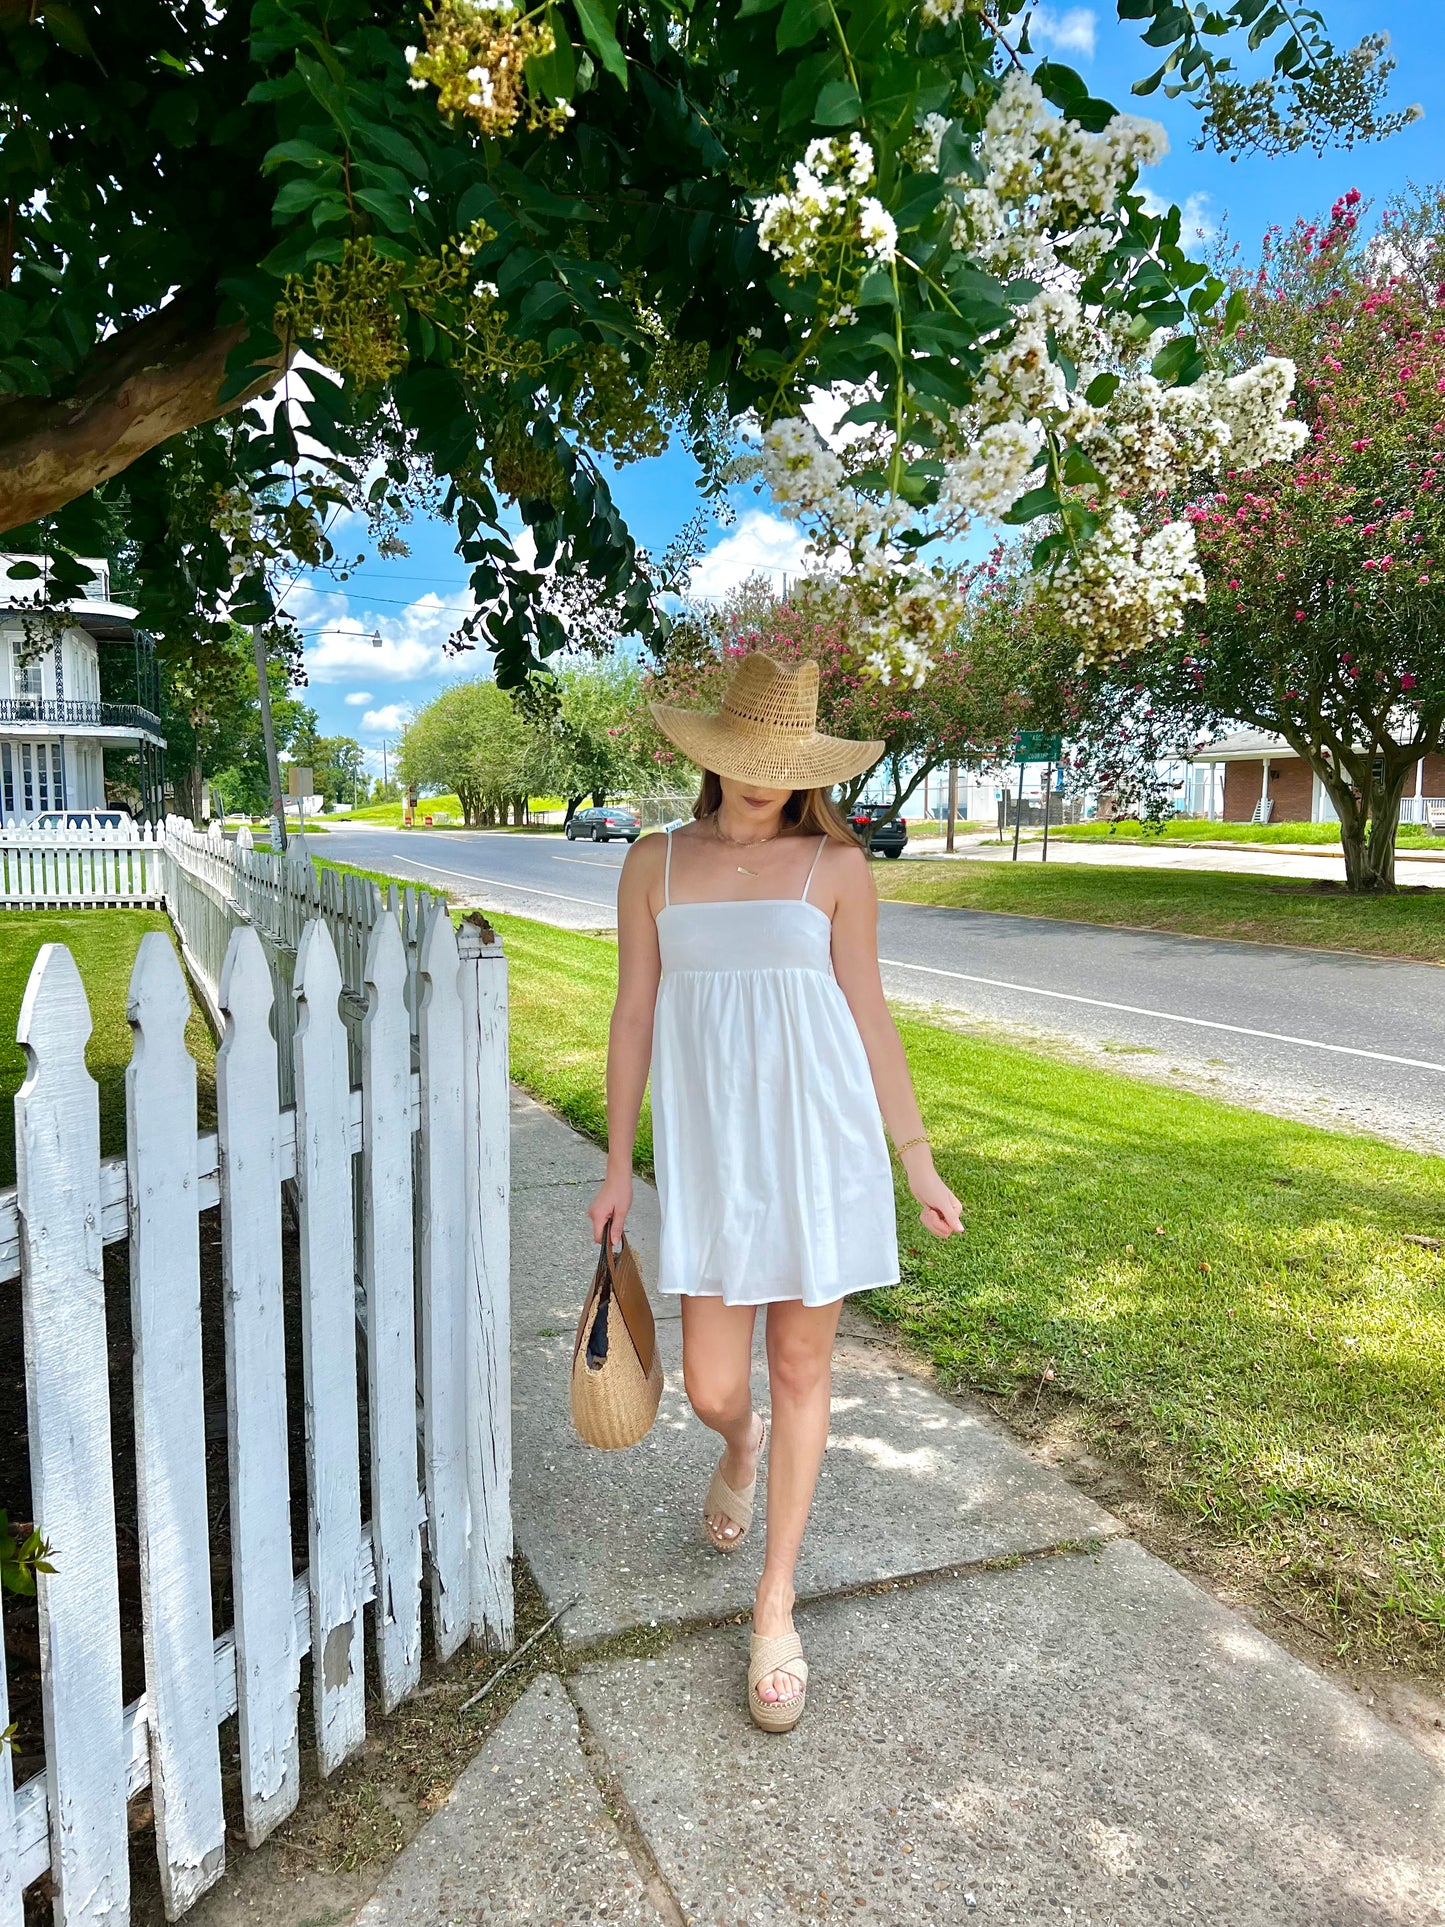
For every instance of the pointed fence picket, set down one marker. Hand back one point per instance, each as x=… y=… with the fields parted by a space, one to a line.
x=442 y=1281
x=268 y=1658
x=67 y=1395
x=170 y=1421
x=424 y=1119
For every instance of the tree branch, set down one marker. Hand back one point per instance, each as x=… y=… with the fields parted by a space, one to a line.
x=150 y=381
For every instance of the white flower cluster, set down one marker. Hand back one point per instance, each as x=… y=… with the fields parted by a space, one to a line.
x=993 y=471
x=826 y=214
x=1119 y=593
x=1049 y=191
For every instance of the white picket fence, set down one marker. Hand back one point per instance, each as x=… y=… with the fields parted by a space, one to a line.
x=426 y=1124
x=63 y=868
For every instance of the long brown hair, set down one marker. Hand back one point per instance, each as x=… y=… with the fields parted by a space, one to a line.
x=806 y=812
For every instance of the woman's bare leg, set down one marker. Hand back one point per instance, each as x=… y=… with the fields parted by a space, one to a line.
x=717 y=1358
x=800 y=1374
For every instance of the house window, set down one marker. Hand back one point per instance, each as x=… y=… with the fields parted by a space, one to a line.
x=27 y=776
x=27 y=673
x=7 y=779
x=57 y=775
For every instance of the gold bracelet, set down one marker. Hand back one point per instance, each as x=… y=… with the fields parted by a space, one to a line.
x=899 y=1149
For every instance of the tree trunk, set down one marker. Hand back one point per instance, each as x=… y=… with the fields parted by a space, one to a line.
x=574 y=803
x=142 y=385
x=599 y=799
x=1367 y=828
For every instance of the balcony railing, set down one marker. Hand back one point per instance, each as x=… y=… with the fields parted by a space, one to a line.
x=77 y=715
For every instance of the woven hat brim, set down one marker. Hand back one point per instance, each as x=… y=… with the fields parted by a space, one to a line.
x=774 y=759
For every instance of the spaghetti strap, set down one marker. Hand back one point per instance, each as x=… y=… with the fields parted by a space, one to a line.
x=811 y=867
x=667 y=874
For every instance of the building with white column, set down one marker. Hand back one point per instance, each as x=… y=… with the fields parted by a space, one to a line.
x=54 y=726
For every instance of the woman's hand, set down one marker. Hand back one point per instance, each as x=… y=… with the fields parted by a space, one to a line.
x=614 y=1201
x=939 y=1210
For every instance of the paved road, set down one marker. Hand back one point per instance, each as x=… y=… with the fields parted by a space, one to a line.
x=1345 y=1038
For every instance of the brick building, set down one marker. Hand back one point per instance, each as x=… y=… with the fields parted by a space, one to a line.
x=1234 y=776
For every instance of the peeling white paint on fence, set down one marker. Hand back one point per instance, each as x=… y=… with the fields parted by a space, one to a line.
x=170 y=1427
x=388 y=1282
x=268 y=1660
x=67 y=1395
x=488 y=1288
x=328 y=1353
x=443 y=1252
x=12 y=1891
x=427 y=1125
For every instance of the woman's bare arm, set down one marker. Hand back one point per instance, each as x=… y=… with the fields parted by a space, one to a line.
x=629 y=1037
x=855 y=964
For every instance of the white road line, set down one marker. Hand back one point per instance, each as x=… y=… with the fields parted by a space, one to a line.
x=591 y=863
x=1167 y=1016
x=497 y=883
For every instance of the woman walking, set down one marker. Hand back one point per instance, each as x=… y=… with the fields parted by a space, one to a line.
x=748 y=983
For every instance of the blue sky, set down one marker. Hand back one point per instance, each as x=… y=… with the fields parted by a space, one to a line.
x=414 y=602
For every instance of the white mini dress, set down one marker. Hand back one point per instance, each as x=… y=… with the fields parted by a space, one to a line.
x=772 y=1166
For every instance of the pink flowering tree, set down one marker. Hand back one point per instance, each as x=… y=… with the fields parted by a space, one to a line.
x=992 y=676
x=1324 y=615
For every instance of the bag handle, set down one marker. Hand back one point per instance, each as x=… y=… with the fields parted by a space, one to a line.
x=619 y=1268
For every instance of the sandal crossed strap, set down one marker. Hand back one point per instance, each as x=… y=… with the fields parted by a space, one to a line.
x=734 y=1506
x=778 y=1653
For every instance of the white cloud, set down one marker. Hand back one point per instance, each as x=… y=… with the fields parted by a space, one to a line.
x=761 y=544
x=388 y=720
x=1069 y=32
x=340 y=646
x=356 y=697
x=1196 y=223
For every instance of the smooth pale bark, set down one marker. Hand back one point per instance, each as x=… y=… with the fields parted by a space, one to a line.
x=142 y=385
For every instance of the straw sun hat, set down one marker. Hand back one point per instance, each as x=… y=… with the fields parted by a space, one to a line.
x=767 y=730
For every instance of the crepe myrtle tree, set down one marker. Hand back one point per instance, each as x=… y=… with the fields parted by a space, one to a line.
x=993 y=676
x=489 y=250
x=1324 y=619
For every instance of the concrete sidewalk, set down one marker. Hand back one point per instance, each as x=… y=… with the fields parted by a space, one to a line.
x=1017 y=1715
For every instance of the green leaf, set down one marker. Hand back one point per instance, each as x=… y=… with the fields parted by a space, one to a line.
x=301 y=192
x=756 y=6
x=1038 y=501
x=1101 y=390
x=1059 y=84
x=389 y=208
x=1078 y=469
x=1178 y=362
x=597 y=22
x=393 y=147
x=837 y=105
x=556 y=76
x=304 y=153
x=800 y=22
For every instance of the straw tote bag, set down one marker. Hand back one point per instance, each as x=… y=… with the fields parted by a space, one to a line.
x=616 y=1367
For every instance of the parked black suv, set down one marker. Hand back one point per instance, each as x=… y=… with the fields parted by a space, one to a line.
x=879 y=839
x=603 y=825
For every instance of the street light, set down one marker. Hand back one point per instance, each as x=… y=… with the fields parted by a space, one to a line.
x=376 y=638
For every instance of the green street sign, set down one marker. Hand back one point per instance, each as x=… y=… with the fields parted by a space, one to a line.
x=1033 y=746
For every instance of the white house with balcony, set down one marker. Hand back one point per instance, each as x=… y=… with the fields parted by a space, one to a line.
x=54 y=726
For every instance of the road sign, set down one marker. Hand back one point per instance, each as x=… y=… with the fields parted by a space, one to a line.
x=299 y=781
x=1033 y=746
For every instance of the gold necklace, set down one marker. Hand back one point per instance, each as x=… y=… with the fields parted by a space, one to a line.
x=738 y=843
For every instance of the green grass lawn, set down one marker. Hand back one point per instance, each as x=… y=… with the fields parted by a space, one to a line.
x=103 y=943
x=389 y=815
x=1188 y=830
x=1226 y=1300
x=1206 y=903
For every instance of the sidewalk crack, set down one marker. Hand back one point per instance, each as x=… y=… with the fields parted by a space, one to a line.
x=629 y=1828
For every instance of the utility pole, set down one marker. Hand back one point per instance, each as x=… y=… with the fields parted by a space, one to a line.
x=952 y=804
x=385 y=785
x=268 y=732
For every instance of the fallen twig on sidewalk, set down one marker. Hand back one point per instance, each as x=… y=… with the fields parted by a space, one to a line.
x=482 y=1693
